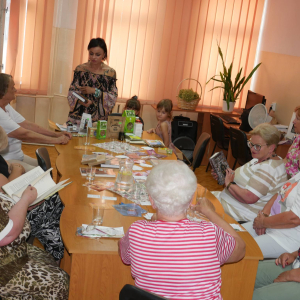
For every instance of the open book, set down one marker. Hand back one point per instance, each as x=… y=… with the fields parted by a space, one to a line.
x=39 y=179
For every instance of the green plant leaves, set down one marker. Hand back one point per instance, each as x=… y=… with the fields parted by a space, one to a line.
x=231 y=90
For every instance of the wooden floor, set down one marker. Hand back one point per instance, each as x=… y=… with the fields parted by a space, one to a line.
x=205 y=179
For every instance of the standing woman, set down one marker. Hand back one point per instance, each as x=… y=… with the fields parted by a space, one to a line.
x=97 y=82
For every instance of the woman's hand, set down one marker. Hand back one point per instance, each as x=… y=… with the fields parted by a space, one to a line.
x=65 y=133
x=260 y=231
x=203 y=205
x=18 y=168
x=29 y=195
x=229 y=176
x=214 y=174
x=258 y=221
x=87 y=90
x=292 y=275
x=86 y=104
x=286 y=259
x=152 y=130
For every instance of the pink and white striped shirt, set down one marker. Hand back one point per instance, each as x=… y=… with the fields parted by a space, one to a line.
x=177 y=260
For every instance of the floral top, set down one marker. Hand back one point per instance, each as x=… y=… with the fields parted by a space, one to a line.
x=102 y=105
x=292 y=158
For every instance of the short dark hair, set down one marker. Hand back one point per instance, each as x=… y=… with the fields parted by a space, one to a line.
x=4 y=83
x=133 y=103
x=98 y=42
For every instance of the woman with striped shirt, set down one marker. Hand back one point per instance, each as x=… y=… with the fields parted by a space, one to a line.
x=173 y=256
x=251 y=186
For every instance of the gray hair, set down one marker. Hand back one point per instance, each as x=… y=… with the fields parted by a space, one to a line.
x=4 y=82
x=171 y=185
x=268 y=133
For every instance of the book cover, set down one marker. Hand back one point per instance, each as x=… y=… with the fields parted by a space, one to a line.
x=219 y=164
x=93 y=159
x=155 y=143
x=99 y=172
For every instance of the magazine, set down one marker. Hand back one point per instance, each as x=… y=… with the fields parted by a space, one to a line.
x=155 y=143
x=219 y=164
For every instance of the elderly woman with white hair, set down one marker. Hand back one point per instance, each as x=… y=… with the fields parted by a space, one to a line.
x=251 y=186
x=173 y=256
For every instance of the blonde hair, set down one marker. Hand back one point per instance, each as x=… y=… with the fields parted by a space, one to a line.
x=268 y=133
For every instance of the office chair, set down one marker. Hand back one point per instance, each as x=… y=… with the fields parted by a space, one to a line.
x=130 y=292
x=199 y=150
x=186 y=145
x=239 y=149
x=218 y=135
x=43 y=159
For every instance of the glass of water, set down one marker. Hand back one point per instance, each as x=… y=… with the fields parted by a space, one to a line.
x=91 y=174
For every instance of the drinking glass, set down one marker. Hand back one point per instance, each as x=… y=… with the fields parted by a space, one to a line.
x=98 y=212
x=90 y=174
x=112 y=145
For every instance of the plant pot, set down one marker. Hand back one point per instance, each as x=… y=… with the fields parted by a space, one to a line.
x=231 y=106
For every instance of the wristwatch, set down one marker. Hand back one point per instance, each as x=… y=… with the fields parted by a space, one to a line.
x=229 y=184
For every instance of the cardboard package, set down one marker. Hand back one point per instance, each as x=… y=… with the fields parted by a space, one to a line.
x=129 y=116
x=115 y=124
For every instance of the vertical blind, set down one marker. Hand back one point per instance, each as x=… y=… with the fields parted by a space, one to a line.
x=29 y=44
x=154 y=44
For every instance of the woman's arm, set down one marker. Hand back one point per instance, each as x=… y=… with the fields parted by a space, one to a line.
x=18 y=215
x=165 y=134
x=267 y=209
x=283 y=220
x=240 y=194
x=204 y=206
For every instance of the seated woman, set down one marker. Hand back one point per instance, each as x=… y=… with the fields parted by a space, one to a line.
x=45 y=216
x=26 y=272
x=18 y=129
x=173 y=256
x=292 y=158
x=249 y=187
x=276 y=228
x=279 y=279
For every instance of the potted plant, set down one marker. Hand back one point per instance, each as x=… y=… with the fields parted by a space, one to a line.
x=232 y=90
x=187 y=98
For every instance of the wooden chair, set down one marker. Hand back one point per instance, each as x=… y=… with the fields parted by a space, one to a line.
x=199 y=150
x=130 y=292
x=218 y=135
x=239 y=149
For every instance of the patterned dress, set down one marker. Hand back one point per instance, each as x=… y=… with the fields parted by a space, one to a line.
x=292 y=158
x=27 y=272
x=102 y=105
x=44 y=220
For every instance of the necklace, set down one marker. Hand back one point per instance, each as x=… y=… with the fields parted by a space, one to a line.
x=255 y=162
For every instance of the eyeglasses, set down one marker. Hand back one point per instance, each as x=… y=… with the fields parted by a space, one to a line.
x=256 y=147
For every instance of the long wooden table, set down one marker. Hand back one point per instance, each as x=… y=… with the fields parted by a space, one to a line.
x=95 y=268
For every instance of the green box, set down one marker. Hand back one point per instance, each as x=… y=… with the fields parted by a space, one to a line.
x=129 y=120
x=101 y=129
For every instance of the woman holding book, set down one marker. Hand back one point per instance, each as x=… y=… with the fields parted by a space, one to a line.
x=96 y=81
x=45 y=216
x=251 y=186
x=26 y=272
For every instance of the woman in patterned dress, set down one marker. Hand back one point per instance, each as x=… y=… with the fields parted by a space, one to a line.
x=45 y=216
x=293 y=156
x=26 y=272
x=97 y=82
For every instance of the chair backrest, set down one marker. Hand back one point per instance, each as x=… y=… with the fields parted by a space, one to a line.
x=43 y=158
x=130 y=292
x=240 y=150
x=199 y=150
x=184 y=143
x=253 y=99
x=217 y=131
